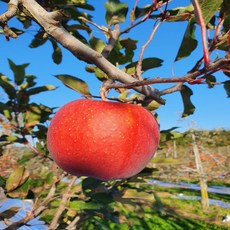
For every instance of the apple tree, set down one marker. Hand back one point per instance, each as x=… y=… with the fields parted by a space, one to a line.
x=113 y=58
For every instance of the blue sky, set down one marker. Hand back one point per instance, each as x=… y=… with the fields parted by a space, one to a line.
x=212 y=105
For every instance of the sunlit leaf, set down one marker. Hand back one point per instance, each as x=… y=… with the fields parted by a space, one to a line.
x=7 y=86
x=227 y=87
x=21 y=191
x=96 y=44
x=186 y=94
x=81 y=205
x=6 y=110
x=98 y=72
x=75 y=83
x=153 y=105
x=115 y=8
x=223 y=42
x=19 y=71
x=180 y=14
x=189 y=43
x=208 y=9
x=36 y=114
x=123 y=95
x=16 y=178
x=40 y=89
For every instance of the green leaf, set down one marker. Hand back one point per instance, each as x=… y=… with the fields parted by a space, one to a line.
x=6 y=110
x=153 y=105
x=189 y=108
x=16 y=178
x=79 y=37
x=90 y=183
x=209 y=79
x=189 y=43
x=36 y=114
x=226 y=9
x=39 y=39
x=57 y=53
x=96 y=44
x=40 y=89
x=8 y=86
x=115 y=8
x=26 y=157
x=19 y=71
x=79 y=205
x=28 y=83
x=227 y=87
x=129 y=45
x=180 y=14
x=139 y=12
x=208 y=9
x=21 y=191
x=75 y=83
x=103 y=197
x=147 y=63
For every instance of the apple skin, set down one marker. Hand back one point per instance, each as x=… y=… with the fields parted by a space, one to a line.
x=101 y=139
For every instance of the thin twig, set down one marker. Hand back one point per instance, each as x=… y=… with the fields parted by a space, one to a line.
x=61 y=208
x=140 y=60
x=190 y=77
x=153 y=7
x=103 y=29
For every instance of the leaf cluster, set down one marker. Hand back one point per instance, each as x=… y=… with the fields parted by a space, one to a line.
x=21 y=116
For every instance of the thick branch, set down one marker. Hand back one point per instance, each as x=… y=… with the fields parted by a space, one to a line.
x=80 y=50
x=10 y=13
x=114 y=35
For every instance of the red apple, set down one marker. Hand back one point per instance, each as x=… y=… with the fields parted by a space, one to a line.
x=104 y=140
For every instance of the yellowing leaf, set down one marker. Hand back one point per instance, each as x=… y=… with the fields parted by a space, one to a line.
x=75 y=83
x=16 y=178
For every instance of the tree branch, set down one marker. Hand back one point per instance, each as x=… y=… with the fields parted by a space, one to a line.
x=80 y=50
x=190 y=77
x=61 y=208
x=114 y=35
x=10 y=13
x=140 y=60
x=203 y=32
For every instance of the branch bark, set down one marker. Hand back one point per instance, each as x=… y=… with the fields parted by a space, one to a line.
x=62 y=205
x=190 y=77
x=54 y=28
